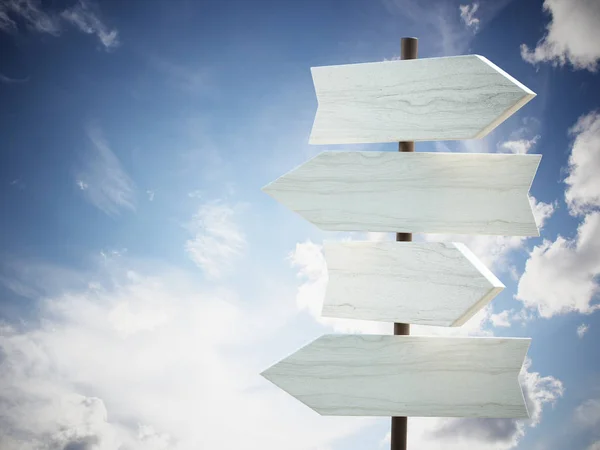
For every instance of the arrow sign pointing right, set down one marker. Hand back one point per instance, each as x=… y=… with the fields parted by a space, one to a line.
x=459 y=97
x=470 y=193
x=431 y=283
x=370 y=375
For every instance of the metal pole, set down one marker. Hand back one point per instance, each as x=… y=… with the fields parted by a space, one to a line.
x=409 y=49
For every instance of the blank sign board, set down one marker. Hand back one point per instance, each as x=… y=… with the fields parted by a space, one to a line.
x=459 y=97
x=425 y=283
x=473 y=193
x=372 y=375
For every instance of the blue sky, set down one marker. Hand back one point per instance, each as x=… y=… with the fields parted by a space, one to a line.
x=145 y=279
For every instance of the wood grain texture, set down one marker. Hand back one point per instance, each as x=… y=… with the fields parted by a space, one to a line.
x=430 y=283
x=460 y=97
x=464 y=193
x=370 y=375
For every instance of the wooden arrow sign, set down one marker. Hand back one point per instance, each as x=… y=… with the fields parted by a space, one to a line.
x=365 y=375
x=460 y=97
x=431 y=283
x=413 y=192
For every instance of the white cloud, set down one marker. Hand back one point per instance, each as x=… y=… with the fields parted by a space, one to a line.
x=520 y=146
x=150 y=359
x=218 y=241
x=150 y=194
x=501 y=319
x=467 y=15
x=84 y=15
x=6 y=23
x=587 y=414
x=31 y=13
x=541 y=211
x=85 y=18
x=583 y=189
x=510 y=317
x=164 y=337
x=523 y=139
x=310 y=261
x=582 y=329
x=103 y=180
x=594 y=446
x=571 y=36
x=560 y=276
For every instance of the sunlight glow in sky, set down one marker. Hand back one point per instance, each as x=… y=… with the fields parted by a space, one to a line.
x=146 y=280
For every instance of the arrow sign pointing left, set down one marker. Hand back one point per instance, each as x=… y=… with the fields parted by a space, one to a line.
x=425 y=283
x=371 y=375
x=472 y=193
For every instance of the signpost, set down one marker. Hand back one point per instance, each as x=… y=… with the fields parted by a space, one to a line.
x=403 y=282
x=470 y=193
x=432 y=283
x=370 y=375
x=461 y=97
